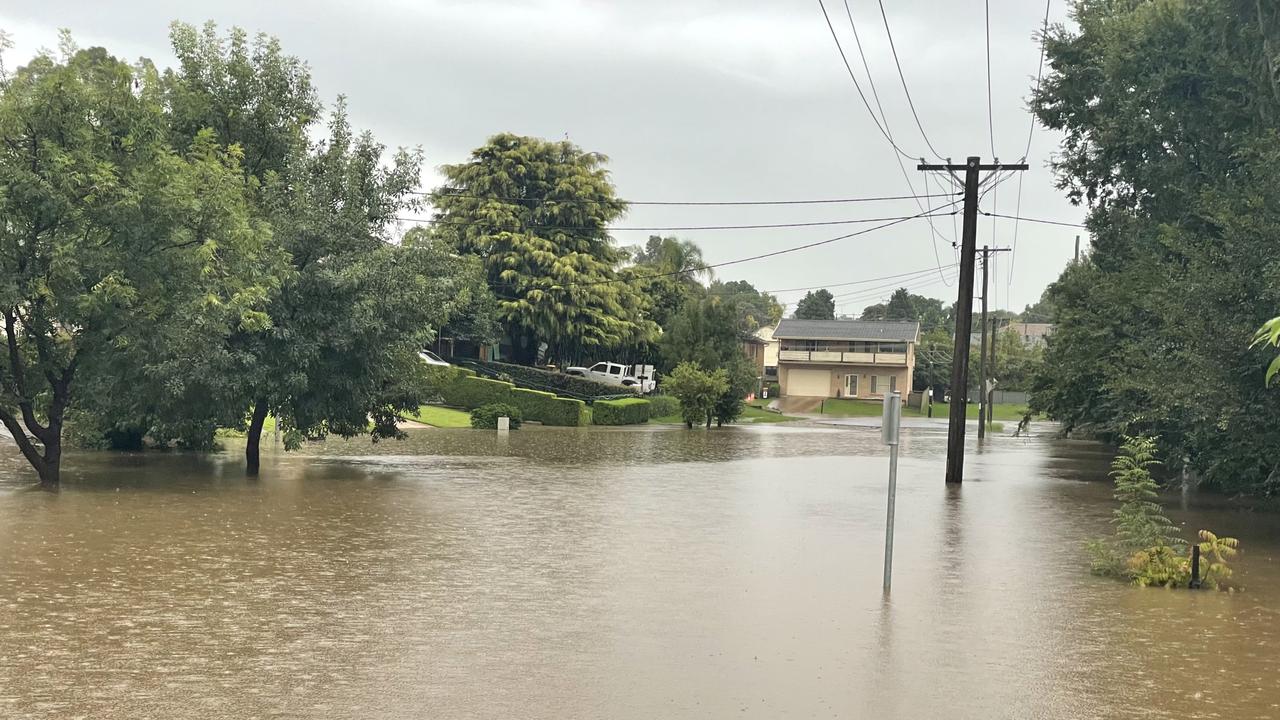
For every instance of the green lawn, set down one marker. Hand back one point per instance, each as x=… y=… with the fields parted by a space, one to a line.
x=753 y=413
x=441 y=417
x=268 y=427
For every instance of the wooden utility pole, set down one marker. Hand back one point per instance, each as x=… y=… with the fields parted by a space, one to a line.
x=991 y=372
x=982 y=350
x=972 y=168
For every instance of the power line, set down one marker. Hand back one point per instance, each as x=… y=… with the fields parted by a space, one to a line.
x=775 y=253
x=765 y=226
x=1031 y=131
x=856 y=85
x=1034 y=220
x=859 y=295
x=682 y=203
x=934 y=234
x=991 y=118
x=910 y=103
x=886 y=289
x=926 y=271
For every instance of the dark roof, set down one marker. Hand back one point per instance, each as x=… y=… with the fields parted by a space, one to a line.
x=892 y=330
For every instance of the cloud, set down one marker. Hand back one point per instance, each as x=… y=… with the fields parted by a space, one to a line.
x=694 y=99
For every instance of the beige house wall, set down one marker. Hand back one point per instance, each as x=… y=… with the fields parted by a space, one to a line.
x=905 y=376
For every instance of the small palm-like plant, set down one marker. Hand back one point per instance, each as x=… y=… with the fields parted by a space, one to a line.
x=1218 y=550
x=1140 y=521
x=1269 y=334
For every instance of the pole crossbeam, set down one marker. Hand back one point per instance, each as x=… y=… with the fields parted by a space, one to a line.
x=972 y=168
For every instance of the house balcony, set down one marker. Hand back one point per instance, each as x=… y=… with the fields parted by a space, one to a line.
x=832 y=357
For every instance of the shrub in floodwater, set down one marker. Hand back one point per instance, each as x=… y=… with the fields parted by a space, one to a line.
x=1146 y=548
x=486 y=417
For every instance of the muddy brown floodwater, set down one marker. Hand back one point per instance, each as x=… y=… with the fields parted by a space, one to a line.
x=630 y=573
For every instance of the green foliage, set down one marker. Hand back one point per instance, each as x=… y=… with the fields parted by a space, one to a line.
x=486 y=417
x=122 y=257
x=1269 y=334
x=471 y=392
x=548 y=409
x=663 y=405
x=536 y=213
x=1168 y=113
x=1140 y=521
x=1146 y=549
x=903 y=305
x=697 y=390
x=706 y=332
x=559 y=383
x=816 y=305
x=1216 y=551
x=628 y=411
x=741 y=382
x=755 y=309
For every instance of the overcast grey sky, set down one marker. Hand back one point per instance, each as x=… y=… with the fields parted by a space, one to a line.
x=690 y=99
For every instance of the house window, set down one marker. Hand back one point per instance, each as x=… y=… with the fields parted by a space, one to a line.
x=879 y=383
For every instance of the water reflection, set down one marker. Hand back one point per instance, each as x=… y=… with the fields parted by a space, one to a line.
x=629 y=573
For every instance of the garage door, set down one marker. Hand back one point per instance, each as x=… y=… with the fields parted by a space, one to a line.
x=809 y=383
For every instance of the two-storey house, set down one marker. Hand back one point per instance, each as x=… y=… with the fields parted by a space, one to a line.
x=846 y=358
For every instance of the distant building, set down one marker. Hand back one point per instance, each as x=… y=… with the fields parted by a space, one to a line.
x=846 y=358
x=1033 y=334
x=770 y=351
x=754 y=348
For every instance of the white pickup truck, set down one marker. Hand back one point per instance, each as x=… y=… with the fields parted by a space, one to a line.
x=614 y=374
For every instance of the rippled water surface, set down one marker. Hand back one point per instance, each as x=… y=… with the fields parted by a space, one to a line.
x=630 y=573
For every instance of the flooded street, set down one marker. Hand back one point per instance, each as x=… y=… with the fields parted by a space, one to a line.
x=629 y=573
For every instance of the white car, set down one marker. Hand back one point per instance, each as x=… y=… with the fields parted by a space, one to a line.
x=611 y=373
x=431 y=358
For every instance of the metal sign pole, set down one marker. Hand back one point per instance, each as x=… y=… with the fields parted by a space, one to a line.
x=889 y=434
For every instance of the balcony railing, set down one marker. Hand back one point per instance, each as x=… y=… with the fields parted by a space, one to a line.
x=843 y=358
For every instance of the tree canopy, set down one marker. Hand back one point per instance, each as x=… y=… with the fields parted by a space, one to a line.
x=816 y=305
x=122 y=259
x=1168 y=112
x=536 y=213
x=931 y=313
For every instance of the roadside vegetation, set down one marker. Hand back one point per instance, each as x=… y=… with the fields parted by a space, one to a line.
x=1168 y=113
x=1146 y=548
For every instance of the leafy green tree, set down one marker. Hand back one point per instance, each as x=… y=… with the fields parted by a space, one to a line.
x=706 y=332
x=755 y=309
x=121 y=260
x=931 y=313
x=816 y=305
x=697 y=390
x=353 y=308
x=536 y=213
x=246 y=91
x=666 y=273
x=1168 y=113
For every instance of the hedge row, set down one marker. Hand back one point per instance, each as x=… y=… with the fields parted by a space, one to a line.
x=571 y=385
x=549 y=409
x=629 y=411
x=459 y=387
x=663 y=406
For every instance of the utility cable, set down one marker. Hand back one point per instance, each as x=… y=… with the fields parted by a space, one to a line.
x=1031 y=131
x=672 y=228
x=858 y=86
x=683 y=203
x=875 y=94
x=910 y=103
x=775 y=253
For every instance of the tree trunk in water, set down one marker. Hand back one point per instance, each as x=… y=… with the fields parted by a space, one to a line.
x=254 y=436
x=46 y=465
x=51 y=470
